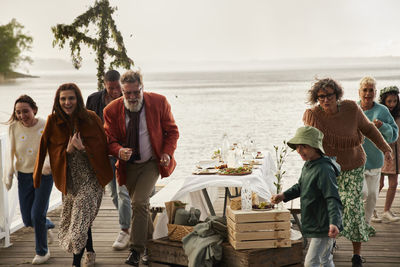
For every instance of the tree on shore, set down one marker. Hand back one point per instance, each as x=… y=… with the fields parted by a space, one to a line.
x=100 y=15
x=12 y=43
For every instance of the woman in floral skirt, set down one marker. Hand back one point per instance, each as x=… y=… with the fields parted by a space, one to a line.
x=344 y=126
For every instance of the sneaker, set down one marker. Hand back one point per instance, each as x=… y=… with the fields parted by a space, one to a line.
x=90 y=258
x=334 y=247
x=133 y=258
x=145 y=257
x=375 y=217
x=122 y=241
x=357 y=261
x=388 y=215
x=41 y=259
x=50 y=236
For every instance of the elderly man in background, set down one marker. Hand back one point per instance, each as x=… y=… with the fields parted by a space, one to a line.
x=384 y=122
x=119 y=194
x=142 y=134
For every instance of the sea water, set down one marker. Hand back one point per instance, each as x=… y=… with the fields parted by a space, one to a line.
x=265 y=104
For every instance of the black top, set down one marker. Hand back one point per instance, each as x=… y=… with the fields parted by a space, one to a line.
x=96 y=102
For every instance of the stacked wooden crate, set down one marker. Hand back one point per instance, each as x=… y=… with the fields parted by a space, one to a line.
x=163 y=252
x=258 y=229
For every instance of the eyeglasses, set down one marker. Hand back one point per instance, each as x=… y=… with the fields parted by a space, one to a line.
x=135 y=93
x=327 y=96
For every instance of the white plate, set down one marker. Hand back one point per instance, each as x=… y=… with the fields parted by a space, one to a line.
x=207 y=164
x=205 y=171
x=252 y=162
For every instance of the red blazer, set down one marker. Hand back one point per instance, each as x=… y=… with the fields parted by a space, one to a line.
x=160 y=124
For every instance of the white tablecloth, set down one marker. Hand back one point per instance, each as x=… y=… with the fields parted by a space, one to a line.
x=189 y=189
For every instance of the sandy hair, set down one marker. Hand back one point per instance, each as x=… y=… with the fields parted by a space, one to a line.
x=368 y=81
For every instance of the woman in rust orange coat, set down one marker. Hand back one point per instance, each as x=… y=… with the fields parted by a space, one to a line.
x=75 y=140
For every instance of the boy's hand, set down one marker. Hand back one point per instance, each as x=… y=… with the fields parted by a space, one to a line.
x=333 y=231
x=275 y=199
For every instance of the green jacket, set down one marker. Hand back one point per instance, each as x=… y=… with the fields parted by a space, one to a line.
x=319 y=198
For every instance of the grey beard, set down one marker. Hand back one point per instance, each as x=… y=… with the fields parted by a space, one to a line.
x=133 y=107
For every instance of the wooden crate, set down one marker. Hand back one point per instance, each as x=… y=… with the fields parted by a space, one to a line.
x=165 y=252
x=271 y=257
x=258 y=229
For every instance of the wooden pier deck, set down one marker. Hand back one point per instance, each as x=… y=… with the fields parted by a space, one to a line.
x=383 y=250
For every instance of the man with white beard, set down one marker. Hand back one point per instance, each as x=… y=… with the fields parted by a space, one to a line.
x=142 y=134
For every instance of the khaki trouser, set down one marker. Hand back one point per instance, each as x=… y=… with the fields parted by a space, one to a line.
x=141 y=178
x=371 y=191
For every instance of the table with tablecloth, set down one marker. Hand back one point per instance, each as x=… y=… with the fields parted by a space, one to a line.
x=189 y=189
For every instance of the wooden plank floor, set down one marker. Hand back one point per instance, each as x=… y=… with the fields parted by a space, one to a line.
x=382 y=250
x=105 y=230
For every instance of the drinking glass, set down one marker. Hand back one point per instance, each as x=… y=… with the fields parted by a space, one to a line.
x=246 y=193
x=253 y=148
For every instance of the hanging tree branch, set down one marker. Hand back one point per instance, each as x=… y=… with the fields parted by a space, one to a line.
x=101 y=16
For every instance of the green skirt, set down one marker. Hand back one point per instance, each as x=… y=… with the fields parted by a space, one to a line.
x=350 y=185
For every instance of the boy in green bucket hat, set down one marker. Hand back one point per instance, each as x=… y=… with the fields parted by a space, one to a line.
x=321 y=208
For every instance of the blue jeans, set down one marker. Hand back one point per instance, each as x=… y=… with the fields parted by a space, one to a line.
x=320 y=253
x=33 y=203
x=121 y=199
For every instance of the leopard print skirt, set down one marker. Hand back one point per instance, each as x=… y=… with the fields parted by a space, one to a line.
x=81 y=203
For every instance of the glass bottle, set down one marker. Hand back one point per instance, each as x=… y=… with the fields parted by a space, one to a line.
x=238 y=155
x=231 y=158
x=225 y=147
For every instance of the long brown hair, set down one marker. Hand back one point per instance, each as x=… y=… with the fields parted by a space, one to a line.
x=23 y=99
x=80 y=112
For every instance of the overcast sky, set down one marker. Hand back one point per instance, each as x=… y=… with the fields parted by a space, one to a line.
x=226 y=29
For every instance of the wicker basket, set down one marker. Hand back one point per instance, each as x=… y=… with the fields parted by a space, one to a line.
x=236 y=203
x=176 y=232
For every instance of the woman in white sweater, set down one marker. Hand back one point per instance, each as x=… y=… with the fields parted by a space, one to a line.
x=25 y=131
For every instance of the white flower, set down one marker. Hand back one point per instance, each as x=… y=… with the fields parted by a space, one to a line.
x=29 y=151
x=22 y=137
x=281 y=153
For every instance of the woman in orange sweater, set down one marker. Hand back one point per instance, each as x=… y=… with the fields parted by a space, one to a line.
x=344 y=126
x=77 y=146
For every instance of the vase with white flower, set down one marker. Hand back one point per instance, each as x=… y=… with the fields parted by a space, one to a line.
x=281 y=153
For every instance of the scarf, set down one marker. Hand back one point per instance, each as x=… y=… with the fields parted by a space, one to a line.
x=132 y=133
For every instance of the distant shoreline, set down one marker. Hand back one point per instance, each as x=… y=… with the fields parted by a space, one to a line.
x=14 y=75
